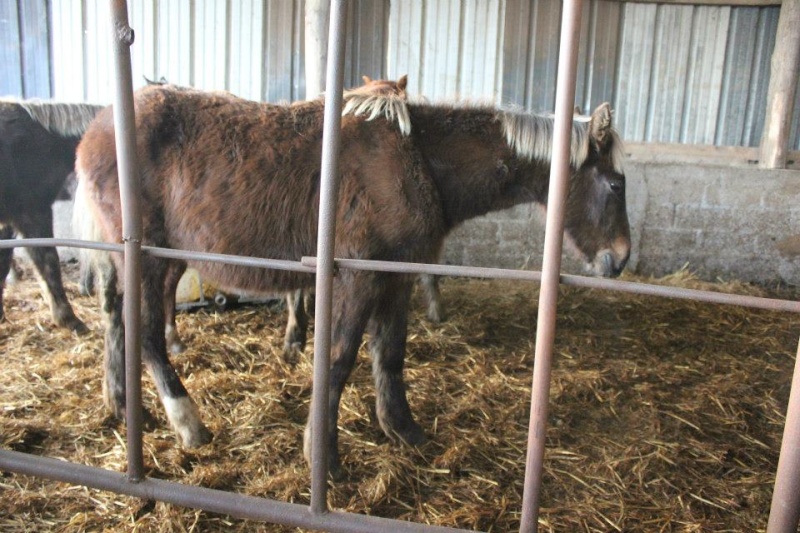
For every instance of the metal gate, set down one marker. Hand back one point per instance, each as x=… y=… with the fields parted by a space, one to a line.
x=785 y=510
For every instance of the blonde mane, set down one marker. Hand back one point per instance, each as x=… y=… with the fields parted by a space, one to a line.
x=67 y=120
x=392 y=107
x=531 y=137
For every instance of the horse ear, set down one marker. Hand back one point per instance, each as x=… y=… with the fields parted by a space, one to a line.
x=402 y=82
x=600 y=124
x=366 y=79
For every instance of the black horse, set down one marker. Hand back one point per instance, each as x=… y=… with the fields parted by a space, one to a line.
x=37 y=154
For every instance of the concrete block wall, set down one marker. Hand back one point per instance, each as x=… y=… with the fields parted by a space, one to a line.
x=719 y=221
x=724 y=222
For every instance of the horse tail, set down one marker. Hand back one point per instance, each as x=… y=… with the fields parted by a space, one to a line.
x=98 y=265
x=87 y=229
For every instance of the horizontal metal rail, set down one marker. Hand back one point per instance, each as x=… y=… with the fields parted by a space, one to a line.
x=215 y=501
x=757 y=302
x=168 y=253
x=308 y=264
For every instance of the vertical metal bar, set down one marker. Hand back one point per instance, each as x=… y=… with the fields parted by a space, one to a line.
x=325 y=248
x=784 y=513
x=548 y=295
x=125 y=128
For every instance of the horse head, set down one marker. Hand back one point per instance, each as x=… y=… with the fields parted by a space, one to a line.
x=596 y=221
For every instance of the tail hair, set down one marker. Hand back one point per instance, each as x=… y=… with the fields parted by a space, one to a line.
x=92 y=262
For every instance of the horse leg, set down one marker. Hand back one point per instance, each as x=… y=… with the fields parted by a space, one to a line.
x=174 y=272
x=114 y=345
x=6 y=256
x=181 y=411
x=388 y=328
x=433 y=298
x=296 y=326
x=351 y=307
x=49 y=269
x=111 y=309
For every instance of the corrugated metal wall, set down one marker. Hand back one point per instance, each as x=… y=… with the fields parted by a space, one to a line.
x=674 y=73
x=24 y=50
x=694 y=74
x=448 y=48
x=249 y=47
x=253 y=48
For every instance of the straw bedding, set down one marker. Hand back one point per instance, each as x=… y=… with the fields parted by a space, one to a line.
x=665 y=415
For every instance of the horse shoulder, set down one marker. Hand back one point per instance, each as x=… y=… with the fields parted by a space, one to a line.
x=390 y=187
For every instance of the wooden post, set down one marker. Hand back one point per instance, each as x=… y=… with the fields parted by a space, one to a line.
x=782 y=86
x=318 y=14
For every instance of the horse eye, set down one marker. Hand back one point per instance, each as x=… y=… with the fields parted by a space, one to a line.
x=616 y=185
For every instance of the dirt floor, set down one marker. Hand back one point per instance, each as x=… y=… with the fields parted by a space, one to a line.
x=665 y=415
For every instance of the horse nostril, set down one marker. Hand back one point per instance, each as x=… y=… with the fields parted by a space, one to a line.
x=608 y=265
x=621 y=267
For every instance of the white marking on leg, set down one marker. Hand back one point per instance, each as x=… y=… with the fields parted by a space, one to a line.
x=185 y=420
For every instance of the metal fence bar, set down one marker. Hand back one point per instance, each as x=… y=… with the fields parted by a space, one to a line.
x=308 y=264
x=130 y=196
x=551 y=266
x=326 y=232
x=784 y=512
x=757 y=302
x=216 y=501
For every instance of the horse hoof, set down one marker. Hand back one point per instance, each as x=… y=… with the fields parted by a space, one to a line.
x=80 y=328
x=292 y=352
x=435 y=315
x=73 y=323
x=413 y=435
x=200 y=437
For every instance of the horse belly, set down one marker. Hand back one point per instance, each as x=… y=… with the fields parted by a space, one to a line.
x=256 y=220
x=253 y=280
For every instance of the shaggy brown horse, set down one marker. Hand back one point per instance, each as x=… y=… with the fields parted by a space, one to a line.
x=225 y=175
x=297 y=320
x=37 y=154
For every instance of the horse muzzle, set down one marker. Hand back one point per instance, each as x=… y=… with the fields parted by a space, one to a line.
x=606 y=264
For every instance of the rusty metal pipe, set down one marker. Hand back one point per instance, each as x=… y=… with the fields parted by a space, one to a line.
x=308 y=265
x=325 y=245
x=784 y=513
x=215 y=501
x=551 y=266
x=125 y=128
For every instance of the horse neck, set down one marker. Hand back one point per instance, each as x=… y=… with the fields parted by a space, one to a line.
x=472 y=164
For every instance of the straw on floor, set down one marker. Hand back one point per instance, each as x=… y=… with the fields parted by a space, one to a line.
x=665 y=415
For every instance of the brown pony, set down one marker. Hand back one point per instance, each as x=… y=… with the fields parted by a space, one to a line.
x=225 y=175
x=297 y=323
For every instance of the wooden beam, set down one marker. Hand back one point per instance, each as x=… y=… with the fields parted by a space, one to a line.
x=720 y=3
x=317 y=18
x=782 y=87
x=696 y=154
